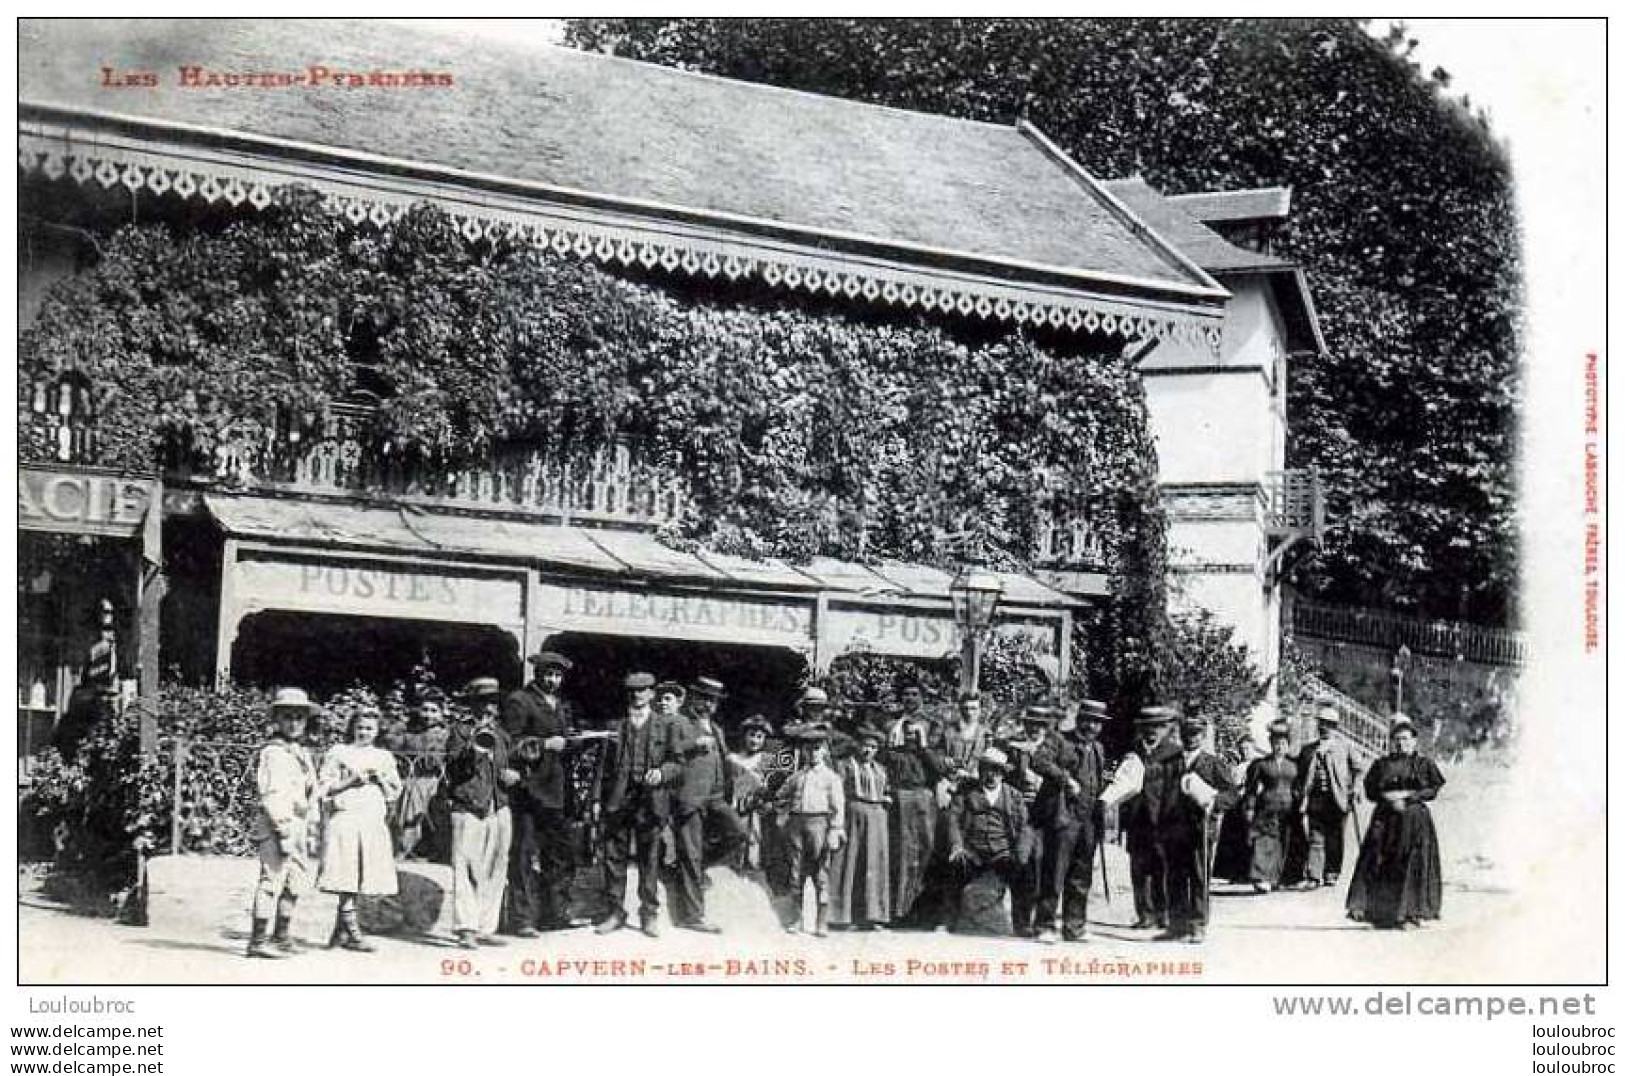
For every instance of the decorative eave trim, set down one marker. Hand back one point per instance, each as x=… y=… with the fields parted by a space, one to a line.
x=212 y=167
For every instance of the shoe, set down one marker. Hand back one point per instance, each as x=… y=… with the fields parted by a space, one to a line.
x=1076 y=935
x=1048 y=937
x=1196 y=937
x=701 y=926
x=878 y=928
x=347 y=933
x=821 y=924
x=610 y=925
x=282 y=939
x=793 y=928
x=1170 y=934
x=940 y=928
x=1331 y=879
x=1144 y=922
x=258 y=947
x=465 y=940
x=490 y=940
x=527 y=932
x=650 y=926
x=1262 y=887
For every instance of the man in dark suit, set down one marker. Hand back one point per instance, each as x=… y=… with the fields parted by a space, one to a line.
x=1199 y=786
x=1327 y=778
x=542 y=864
x=1039 y=758
x=637 y=805
x=985 y=842
x=1140 y=815
x=1073 y=767
x=702 y=801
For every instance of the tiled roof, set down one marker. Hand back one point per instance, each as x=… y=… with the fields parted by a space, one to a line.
x=1173 y=220
x=1234 y=207
x=930 y=185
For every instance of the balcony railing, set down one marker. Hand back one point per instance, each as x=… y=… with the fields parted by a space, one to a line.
x=1073 y=541
x=612 y=484
x=1294 y=504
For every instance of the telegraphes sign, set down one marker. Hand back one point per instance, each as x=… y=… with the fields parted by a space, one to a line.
x=705 y=617
x=387 y=589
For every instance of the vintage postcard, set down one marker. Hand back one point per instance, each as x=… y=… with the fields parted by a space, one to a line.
x=685 y=501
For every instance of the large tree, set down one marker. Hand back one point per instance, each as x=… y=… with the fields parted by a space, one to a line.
x=1402 y=216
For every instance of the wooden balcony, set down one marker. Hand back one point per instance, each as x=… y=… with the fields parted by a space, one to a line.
x=1073 y=542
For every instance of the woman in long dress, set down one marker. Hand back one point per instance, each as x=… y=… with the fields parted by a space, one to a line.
x=1267 y=799
x=861 y=873
x=357 y=784
x=1397 y=879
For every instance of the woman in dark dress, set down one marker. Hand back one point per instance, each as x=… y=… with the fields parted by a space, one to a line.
x=1267 y=799
x=1397 y=880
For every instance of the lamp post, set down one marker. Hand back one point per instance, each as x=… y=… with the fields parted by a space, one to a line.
x=1396 y=676
x=975 y=593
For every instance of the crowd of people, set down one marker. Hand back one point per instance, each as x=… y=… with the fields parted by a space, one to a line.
x=904 y=818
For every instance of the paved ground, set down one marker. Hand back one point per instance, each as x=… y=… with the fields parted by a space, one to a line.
x=1282 y=937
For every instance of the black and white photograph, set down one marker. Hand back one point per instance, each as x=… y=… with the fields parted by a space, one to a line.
x=695 y=501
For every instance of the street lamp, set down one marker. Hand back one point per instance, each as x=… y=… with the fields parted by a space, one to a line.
x=1396 y=676
x=975 y=593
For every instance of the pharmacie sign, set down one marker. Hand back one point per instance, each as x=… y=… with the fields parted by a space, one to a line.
x=84 y=502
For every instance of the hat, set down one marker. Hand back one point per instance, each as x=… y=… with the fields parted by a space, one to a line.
x=867 y=731
x=1192 y=724
x=1400 y=721
x=638 y=681
x=291 y=698
x=807 y=732
x=670 y=687
x=482 y=687
x=549 y=659
x=1279 y=730
x=431 y=694
x=1154 y=715
x=1328 y=715
x=1091 y=710
x=708 y=687
x=995 y=758
x=758 y=722
x=813 y=696
x=1041 y=715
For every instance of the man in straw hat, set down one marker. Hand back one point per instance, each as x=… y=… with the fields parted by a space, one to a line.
x=1328 y=776
x=285 y=781
x=702 y=802
x=479 y=775
x=542 y=862
x=1153 y=752
x=985 y=831
x=637 y=804
x=1203 y=788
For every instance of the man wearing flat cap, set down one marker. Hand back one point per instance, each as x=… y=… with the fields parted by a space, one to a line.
x=640 y=770
x=702 y=802
x=1200 y=787
x=1327 y=777
x=1038 y=758
x=538 y=719
x=479 y=777
x=1141 y=813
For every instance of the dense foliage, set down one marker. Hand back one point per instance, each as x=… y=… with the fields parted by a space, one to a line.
x=800 y=429
x=1402 y=215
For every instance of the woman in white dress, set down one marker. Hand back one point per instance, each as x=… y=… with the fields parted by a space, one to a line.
x=358 y=782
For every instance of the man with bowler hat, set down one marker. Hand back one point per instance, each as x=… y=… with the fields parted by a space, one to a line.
x=1327 y=778
x=1066 y=812
x=638 y=773
x=1199 y=788
x=1140 y=815
x=479 y=777
x=702 y=802
x=542 y=863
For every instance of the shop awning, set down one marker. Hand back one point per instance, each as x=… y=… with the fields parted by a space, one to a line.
x=412 y=531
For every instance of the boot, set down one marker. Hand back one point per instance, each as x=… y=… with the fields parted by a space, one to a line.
x=257 y=946
x=281 y=939
x=821 y=924
x=347 y=932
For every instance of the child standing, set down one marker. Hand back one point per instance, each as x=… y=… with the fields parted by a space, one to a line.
x=811 y=812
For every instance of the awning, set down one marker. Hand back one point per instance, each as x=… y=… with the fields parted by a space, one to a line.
x=408 y=530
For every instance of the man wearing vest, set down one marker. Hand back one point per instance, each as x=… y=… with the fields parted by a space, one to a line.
x=1327 y=778
x=702 y=801
x=542 y=864
x=637 y=805
x=1073 y=766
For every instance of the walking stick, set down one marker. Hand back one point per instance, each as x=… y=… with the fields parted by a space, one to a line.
x=1105 y=878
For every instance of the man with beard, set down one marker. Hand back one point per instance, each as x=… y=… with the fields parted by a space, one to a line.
x=702 y=801
x=1199 y=787
x=1141 y=812
x=1328 y=776
x=542 y=862
x=985 y=843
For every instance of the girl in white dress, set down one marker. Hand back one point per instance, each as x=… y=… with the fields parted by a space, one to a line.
x=358 y=782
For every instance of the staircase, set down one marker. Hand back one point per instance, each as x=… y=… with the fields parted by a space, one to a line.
x=1365 y=729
